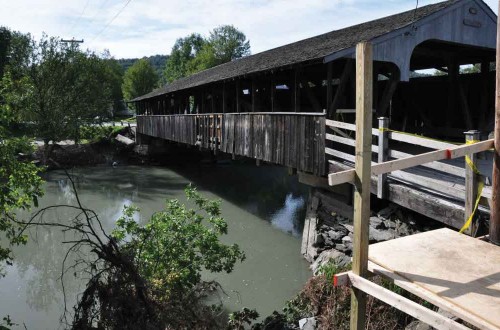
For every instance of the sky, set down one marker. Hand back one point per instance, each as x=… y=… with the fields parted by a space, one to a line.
x=137 y=28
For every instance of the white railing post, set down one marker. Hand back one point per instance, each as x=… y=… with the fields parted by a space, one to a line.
x=471 y=182
x=383 y=146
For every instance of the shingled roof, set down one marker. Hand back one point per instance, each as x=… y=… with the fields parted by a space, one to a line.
x=311 y=49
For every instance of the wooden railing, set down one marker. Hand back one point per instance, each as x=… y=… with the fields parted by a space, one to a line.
x=437 y=176
x=296 y=140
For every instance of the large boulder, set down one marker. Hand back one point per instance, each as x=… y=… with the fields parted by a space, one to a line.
x=338 y=258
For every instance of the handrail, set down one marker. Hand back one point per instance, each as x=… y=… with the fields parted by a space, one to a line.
x=319 y=114
x=403 y=163
x=439 y=166
x=396 y=136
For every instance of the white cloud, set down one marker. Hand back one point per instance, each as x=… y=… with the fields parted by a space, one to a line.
x=147 y=27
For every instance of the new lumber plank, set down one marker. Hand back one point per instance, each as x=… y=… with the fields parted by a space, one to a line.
x=411 y=308
x=457 y=268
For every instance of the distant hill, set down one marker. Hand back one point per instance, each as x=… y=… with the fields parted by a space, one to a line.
x=157 y=61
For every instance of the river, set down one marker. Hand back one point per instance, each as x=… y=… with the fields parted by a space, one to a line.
x=264 y=208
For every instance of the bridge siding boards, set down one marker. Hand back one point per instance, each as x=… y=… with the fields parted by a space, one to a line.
x=295 y=140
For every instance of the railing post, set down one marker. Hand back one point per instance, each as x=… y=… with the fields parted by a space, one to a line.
x=383 y=146
x=471 y=182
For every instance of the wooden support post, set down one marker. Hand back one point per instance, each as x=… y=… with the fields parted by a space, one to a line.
x=341 y=88
x=329 y=87
x=215 y=121
x=273 y=93
x=495 y=203
x=224 y=97
x=471 y=180
x=385 y=100
x=203 y=97
x=212 y=99
x=296 y=91
x=238 y=92
x=364 y=106
x=253 y=95
x=383 y=146
x=484 y=117
x=313 y=101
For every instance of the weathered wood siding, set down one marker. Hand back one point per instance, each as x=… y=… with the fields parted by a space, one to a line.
x=296 y=140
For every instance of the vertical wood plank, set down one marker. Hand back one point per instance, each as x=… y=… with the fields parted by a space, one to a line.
x=364 y=81
x=495 y=208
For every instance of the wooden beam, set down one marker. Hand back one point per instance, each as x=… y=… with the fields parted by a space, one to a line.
x=453 y=72
x=296 y=91
x=272 y=92
x=411 y=308
x=224 y=97
x=339 y=93
x=495 y=207
x=329 y=86
x=400 y=164
x=313 y=100
x=385 y=101
x=212 y=100
x=253 y=94
x=464 y=105
x=364 y=74
x=238 y=92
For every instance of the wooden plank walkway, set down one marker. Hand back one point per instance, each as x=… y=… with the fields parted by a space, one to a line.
x=456 y=271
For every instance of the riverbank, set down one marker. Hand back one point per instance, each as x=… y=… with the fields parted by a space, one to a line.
x=116 y=147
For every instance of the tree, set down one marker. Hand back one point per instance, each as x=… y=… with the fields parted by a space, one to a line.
x=139 y=79
x=20 y=185
x=57 y=88
x=194 y=53
x=228 y=43
x=183 y=52
x=114 y=75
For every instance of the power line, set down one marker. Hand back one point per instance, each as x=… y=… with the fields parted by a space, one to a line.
x=112 y=20
x=75 y=22
x=91 y=20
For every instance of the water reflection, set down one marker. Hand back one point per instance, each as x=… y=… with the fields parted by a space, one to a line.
x=287 y=218
x=263 y=206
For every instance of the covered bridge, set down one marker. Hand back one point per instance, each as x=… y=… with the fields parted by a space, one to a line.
x=293 y=105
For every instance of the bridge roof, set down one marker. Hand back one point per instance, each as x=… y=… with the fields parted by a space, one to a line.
x=313 y=49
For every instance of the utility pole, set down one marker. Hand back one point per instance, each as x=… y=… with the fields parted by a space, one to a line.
x=73 y=41
x=495 y=204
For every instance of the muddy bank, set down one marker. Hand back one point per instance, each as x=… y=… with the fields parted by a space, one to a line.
x=117 y=149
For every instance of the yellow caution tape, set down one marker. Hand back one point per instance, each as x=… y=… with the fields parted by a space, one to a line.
x=480 y=187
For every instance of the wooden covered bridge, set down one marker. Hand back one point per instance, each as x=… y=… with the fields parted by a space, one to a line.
x=293 y=105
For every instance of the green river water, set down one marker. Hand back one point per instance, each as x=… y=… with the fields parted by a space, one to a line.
x=264 y=208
